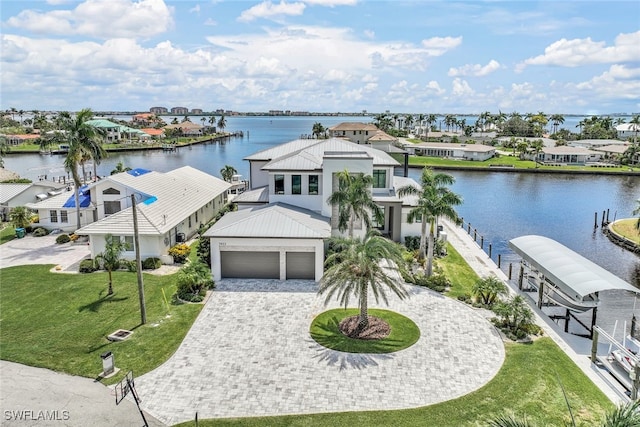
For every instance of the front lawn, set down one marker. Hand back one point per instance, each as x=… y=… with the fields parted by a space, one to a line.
x=461 y=276
x=61 y=321
x=627 y=228
x=527 y=384
x=7 y=232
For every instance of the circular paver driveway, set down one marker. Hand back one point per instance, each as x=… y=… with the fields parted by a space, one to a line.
x=249 y=353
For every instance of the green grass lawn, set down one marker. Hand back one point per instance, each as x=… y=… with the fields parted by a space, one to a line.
x=461 y=276
x=60 y=321
x=627 y=228
x=325 y=331
x=509 y=161
x=7 y=232
x=527 y=383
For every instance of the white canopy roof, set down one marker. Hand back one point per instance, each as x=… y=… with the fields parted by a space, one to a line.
x=571 y=272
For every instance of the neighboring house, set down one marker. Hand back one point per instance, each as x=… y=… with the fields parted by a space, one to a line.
x=171 y=208
x=565 y=155
x=613 y=151
x=58 y=212
x=286 y=211
x=628 y=130
x=21 y=139
x=477 y=152
x=593 y=143
x=142 y=119
x=13 y=195
x=186 y=128
x=117 y=133
x=355 y=131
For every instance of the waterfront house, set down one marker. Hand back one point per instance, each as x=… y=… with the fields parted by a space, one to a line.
x=20 y=194
x=612 y=152
x=284 y=218
x=57 y=211
x=565 y=155
x=185 y=128
x=22 y=139
x=171 y=208
x=628 y=131
x=357 y=132
x=477 y=152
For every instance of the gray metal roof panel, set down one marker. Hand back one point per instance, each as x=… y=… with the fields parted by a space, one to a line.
x=567 y=269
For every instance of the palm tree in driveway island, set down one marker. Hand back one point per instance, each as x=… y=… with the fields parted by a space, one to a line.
x=359 y=266
x=435 y=200
x=354 y=201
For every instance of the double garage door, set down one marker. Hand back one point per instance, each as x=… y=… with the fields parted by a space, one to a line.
x=266 y=265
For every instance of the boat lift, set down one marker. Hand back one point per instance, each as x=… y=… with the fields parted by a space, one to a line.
x=621 y=362
x=564 y=277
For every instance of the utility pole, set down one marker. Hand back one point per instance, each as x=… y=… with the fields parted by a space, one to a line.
x=136 y=242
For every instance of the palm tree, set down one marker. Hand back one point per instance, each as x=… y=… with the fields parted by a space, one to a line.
x=317 y=129
x=227 y=172
x=522 y=147
x=20 y=216
x=222 y=123
x=203 y=120
x=110 y=258
x=212 y=120
x=487 y=289
x=537 y=145
x=120 y=167
x=430 y=119
x=82 y=139
x=556 y=119
x=4 y=149
x=354 y=201
x=359 y=266
x=435 y=200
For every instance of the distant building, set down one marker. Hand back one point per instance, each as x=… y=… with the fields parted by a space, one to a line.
x=196 y=111
x=158 y=110
x=354 y=132
x=143 y=118
x=179 y=110
x=628 y=130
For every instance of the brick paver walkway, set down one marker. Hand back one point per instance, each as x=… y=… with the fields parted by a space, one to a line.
x=249 y=353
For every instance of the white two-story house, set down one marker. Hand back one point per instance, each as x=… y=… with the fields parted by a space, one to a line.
x=291 y=184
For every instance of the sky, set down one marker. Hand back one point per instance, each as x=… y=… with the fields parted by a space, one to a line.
x=431 y=57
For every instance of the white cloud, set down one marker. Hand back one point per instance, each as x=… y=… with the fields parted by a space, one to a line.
x=332 y=3
x=370 y=34
x=577 y=52
x=461 y=88
x=437 y=46
x=476 y=70
x=99 y=18
x=267 y=9
x=195 y=9
x=434 y=88
x=618 y=82
x=210 y=22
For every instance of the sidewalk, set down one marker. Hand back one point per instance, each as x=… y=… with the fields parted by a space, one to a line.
x=577 y=348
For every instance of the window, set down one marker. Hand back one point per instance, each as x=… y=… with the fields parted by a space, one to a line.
x=111 y=190
x=379 y=178
x=53 y=216
x=111 y=207
x=313 y=184
x=128 y=241
x=189 y=221
x=296 y=184
x=279 y=184
x=196 y=216
x=63 y=216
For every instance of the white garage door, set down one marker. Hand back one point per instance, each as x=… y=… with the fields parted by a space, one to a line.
x=301 y=265
x=250 y=265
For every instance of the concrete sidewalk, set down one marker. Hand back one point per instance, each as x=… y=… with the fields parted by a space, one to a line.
x=39 y=397
x=577 y=348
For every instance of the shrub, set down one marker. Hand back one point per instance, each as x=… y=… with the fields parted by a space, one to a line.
x=87 y=266
x=130 y=265
x=412 y=242
x=487 y=290
x=180 y=252
x=193 y=280
x=151 y=263
x=204 y=250
x=437 y=282
x=63 y=238
x=514 y=317
x=39 y=232
x=74 y=237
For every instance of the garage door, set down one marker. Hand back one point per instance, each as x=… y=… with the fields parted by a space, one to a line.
x=250 y=265
x=301 y=265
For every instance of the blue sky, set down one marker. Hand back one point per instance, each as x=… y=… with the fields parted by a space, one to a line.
x=568 y=57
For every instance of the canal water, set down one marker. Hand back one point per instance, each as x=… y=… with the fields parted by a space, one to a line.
x=499 y=205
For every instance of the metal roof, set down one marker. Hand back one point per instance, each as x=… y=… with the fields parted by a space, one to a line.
x=571 y=272
x=277 y=220
x=10 y=190
x=178 y=194
x=259 y=195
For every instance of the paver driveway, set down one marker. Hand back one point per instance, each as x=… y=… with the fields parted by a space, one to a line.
x=249 y=353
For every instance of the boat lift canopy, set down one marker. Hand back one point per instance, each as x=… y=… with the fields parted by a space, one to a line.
x=572 y=274
x=575 y=275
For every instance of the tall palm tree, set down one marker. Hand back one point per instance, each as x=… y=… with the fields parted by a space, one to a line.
x=435 y=200
x=354 y=201
x=212 y=120
x=430 y=119
x=222 y=123
x=317 y=129
x=359 y=266
x=556 y=119
x=82 y=139
x=227 y=172
x=536 y=145
x=635 y=125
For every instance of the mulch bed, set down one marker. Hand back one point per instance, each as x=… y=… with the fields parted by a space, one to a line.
x=376 y=330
